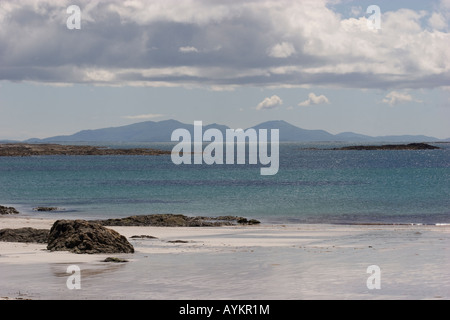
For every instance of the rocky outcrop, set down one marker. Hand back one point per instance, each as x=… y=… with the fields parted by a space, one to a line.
x=8 y=210
x=178 y=241
x=115 y=260
x=24 y=235
x=80 y=236
x=177 y=220
x=47 y=209
x=411 y=146
x=26 y=150
x=143 y=236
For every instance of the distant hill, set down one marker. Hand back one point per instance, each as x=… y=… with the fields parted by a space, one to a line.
x=9 y=141
x=150 y=131
x=289 y=132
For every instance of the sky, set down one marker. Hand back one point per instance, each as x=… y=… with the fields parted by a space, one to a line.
x=317 y=64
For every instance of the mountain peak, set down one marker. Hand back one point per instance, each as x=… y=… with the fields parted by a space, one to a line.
x=161 y=131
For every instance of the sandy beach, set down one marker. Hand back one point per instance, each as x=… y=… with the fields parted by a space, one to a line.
x=280 y=262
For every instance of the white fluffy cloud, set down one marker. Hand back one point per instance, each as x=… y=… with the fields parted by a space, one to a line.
x=270 y=103
x=438 y=21
x=394 y=98
x=256 y=43
x=314 y=100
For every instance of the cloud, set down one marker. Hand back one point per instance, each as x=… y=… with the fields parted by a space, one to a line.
x=356 y=11
x=437 y=21
x=270 y=103
x=282 y=50
x=314 y=100
x=144 y=116
x=394 y=98
x=187 y=49
x=272 y=43
x=445 y=4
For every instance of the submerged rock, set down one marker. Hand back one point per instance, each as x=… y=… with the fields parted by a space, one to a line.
x=8 y=210
x=80 y=236
x=24 y=235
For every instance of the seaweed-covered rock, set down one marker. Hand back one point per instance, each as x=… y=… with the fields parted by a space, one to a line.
x=143 y=236
x=46 y=209
x=8 y=210
x=176 y=220
x=24 y=235
x=115 y=260
x=81 y=236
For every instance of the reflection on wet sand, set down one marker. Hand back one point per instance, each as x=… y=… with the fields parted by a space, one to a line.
x=87 y=270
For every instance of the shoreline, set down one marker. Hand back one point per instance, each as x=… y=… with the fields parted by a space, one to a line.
x=307 y=261
x=27 y=211
x=64 y=214
x=49 y=149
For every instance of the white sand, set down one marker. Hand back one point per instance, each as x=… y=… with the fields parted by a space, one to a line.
x=244 y=262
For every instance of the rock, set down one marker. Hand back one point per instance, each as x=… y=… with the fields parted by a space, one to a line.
x=144 y=236
x=245 y=221
x=80 y=236
x=411 y=146
x=176 y=220
x=115 y=260
x=46 y=209
x=178 y=241
x=27 y=150
x=8 y=210
x=24 y=235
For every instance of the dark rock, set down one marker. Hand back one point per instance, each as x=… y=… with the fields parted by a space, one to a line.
x=115 y=260
x=24 y=235
x=178 y=241
x=46 y=209
x=8 y=210
x=80 y=236
x=411 y=146
x=176 y=220
x=245 y=221
x=143 y=237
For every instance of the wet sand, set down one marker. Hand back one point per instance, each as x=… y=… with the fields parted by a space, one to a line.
x=278 y=262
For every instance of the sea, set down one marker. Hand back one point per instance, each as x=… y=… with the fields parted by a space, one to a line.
x=314 y=184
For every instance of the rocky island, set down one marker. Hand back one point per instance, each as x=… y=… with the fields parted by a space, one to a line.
x=411 y=146
x=27 y=150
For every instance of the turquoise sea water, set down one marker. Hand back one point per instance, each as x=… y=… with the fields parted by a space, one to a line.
x=312 y=186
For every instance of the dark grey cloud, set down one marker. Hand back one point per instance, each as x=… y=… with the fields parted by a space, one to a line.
x=237 y=43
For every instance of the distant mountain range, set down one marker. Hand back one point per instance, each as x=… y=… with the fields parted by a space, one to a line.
x=161 y=131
